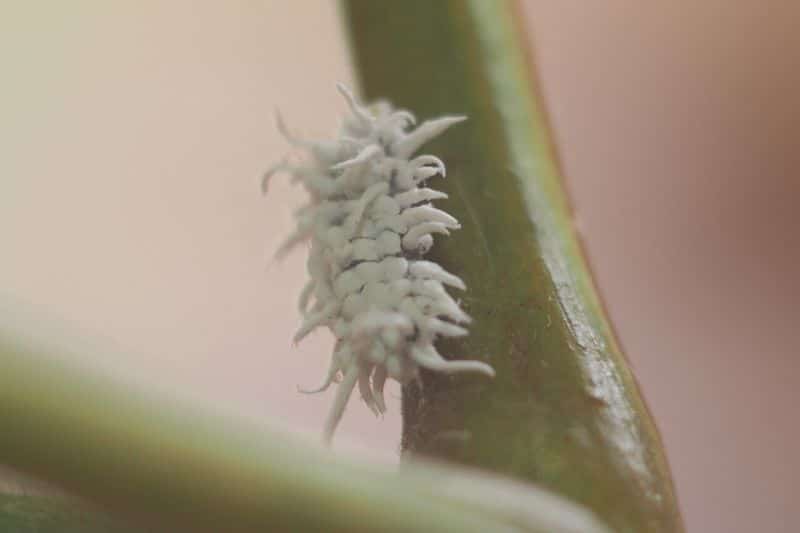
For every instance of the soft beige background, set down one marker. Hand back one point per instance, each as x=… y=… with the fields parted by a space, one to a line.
x=132 y=137
x=132 y=144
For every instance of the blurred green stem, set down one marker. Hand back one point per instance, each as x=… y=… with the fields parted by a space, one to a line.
x=42 y=514
x=564 y=410
x=168 y=468
x=163 y=465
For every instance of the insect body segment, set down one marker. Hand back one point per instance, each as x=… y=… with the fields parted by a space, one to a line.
x=369 y=222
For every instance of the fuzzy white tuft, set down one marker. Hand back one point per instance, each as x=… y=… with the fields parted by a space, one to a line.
x=369 y=221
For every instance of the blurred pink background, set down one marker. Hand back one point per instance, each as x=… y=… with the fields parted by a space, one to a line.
x=133 y=136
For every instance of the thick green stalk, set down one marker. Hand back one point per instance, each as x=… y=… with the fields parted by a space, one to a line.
x=564 y=409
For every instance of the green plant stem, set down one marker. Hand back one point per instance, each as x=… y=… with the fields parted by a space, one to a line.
x=169 y=468
x=564 y=410
x=41 y=514
x=161 y=465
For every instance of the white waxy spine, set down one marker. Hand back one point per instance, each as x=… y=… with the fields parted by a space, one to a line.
x=369 y=221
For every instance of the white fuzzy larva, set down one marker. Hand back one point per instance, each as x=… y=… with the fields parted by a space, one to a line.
x=353 y=305
x=369 y=271
x=400 y=288
x=415 y=196
x=430 y=270
x=341 y=328
x=378 y=295
x=348 y=282
x=426 y=213
x=377 y=353
x=388 y=243
x=369 y=219
x=384 y=206
x=366 y=250
x=395 y=223
x=394 y=268
x=413 y=240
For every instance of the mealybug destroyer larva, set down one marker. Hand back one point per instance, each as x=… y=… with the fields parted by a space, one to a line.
x=370 y=221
